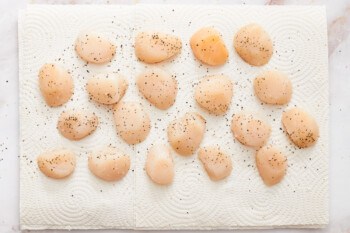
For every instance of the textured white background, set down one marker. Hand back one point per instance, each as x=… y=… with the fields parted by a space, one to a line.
x=193 y=202
x=339 y=51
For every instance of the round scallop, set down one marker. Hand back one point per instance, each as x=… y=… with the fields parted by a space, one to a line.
x=253 y=45
x=153 y=47
x=249 y=130
x=107 y=88
x=109 y=164
x=94 y=48
x=301 y=127
x=216 y=162
x=160 y=165
x=56 y=84
x=214 y=93
x=57 y=164
x=77 y=124
x=132 y=122
x=158 y=87
x=271 y=164
x=208 y=46
x=185 y=134
x=273 y=87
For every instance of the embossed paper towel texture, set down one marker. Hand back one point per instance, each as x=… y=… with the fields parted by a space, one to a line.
x=192 y=201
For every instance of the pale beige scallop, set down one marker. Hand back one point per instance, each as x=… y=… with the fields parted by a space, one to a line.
x=94 y=48
x=158 y=87
x=271 y=164
x=160 y=165
x=216 y=162
x=249 y=130
x=273 y=87
x=109 y=164
x=186 y=133
x=214 y=93
x=57 y=164
x=253 y=45
x=77 y=124
x=107 y=88
x=301 y=127
x=153 y=47
x=208 y=46
x=132 y=122
x=56 y=84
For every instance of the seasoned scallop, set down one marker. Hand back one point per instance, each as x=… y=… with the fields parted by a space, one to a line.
x=301 y=128
x=94 y=48
x=57 y=164
x=77 y=124
x=271 y=164
x=107 y=88
x=56 y=84
x=185 y=134
x=132 y=122
x=158 y=87
x=216 y=162
x=109 y=164
x=160 y=165
x=253 y=45
x=154 y=47
x=208 y=47
x=250 y=131
x=214 y=93
x=273 y=87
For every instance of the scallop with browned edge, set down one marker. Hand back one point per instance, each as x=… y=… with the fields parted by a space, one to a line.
x=301 y=127
x=107 y=88
x=56 y=84
x=109 y=164
x=158 y=87
x=214 y=93
x=216 y=162
x=273 y=87
x=154 y=47
x=249 y=130
x=132 y=122
x=77 y=124
x=57 y=164
x=185 y=134
x=253 y=45
x=160 y=165
x=94 y=48
x=271 y=164
x=208 y=46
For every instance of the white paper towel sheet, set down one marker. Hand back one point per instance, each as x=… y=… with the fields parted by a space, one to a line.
x=193 y=201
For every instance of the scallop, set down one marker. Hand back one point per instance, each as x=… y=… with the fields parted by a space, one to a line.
x=185 y=134
x=109 y=164
x=214 y=93
x=208 y=46
x=253 y=45
x=249 y=130
x=107 y=88
x=158 y=87
x=271 y=164
x=153 y=47
x=57 y=164
x=132 y=122
x=216 y=162
x=94 y=48
x=273 y=87
x=301 y=128
x=160 y=165
x=77 y=124
x=56 y=84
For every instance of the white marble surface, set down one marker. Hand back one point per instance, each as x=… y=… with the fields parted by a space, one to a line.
x=339 y=67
